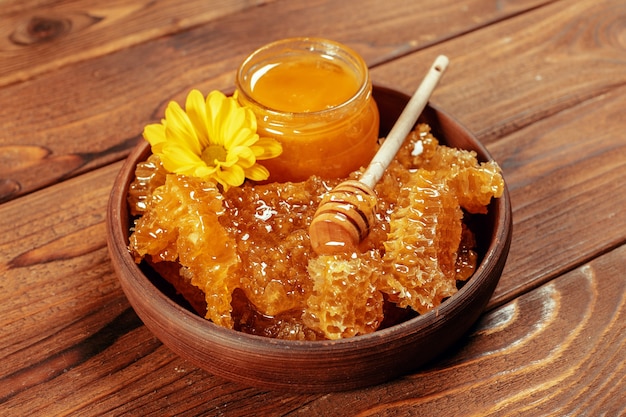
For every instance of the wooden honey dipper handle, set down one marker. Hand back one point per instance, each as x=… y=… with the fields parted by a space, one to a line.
x=345 y=214
x=404 y=124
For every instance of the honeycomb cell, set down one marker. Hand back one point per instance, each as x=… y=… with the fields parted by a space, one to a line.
x=181 y=224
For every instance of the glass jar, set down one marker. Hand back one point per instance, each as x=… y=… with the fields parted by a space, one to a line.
x=315 y=97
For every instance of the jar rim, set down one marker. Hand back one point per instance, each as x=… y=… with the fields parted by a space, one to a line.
x=311 y=45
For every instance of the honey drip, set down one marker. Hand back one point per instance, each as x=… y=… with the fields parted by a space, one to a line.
x=248 y=249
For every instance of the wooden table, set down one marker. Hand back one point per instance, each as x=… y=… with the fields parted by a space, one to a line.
x=542 y=83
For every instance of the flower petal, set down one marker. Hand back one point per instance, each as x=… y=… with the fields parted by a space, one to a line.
x=267 y=148
x=179 y=128
x=155 y=135
x=205 y=171
x=250 y=118
x=244 y=137
x=242 y=155
x=237 y=128
x=218 y=109
x=231 y=177
x=179 y=160
x=195 y=106
x=257 y=172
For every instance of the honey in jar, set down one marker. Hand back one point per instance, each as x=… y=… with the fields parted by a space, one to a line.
x=315 y=97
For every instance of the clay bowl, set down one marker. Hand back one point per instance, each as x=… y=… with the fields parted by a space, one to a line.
x=320 y=366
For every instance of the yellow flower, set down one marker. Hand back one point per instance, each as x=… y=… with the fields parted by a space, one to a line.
x=214 y=139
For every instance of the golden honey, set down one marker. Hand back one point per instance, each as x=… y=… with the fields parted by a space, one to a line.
x=248 y=252
x=315 y=97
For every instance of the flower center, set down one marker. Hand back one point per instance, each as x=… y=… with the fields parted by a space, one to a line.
x=213 y=152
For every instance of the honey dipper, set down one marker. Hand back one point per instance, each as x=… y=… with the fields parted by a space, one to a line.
x=345 y=214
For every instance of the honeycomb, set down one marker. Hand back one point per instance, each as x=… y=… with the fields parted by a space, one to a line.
x=345 y=300
x=269 y=223
x=249 y=253
x=421 y=247
x=181 y=223
x=149 y=175
x=472 y=182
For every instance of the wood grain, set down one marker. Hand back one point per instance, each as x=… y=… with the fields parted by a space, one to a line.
x=38 y=37
x=565 y=175
x=549 y=106
x=519 y=71
x=90 y=113
x=56 y=285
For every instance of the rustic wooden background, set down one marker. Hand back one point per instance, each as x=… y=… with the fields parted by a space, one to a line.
x=541 y=83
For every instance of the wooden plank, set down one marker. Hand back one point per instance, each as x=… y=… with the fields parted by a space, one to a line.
x=519 y=71
x=86 y=115
x=565 y=175
x=57 y=286
x=380 y=32
x=39 y=36
x=10 y=7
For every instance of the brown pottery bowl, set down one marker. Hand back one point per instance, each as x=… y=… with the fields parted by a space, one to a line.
x=315 y=366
